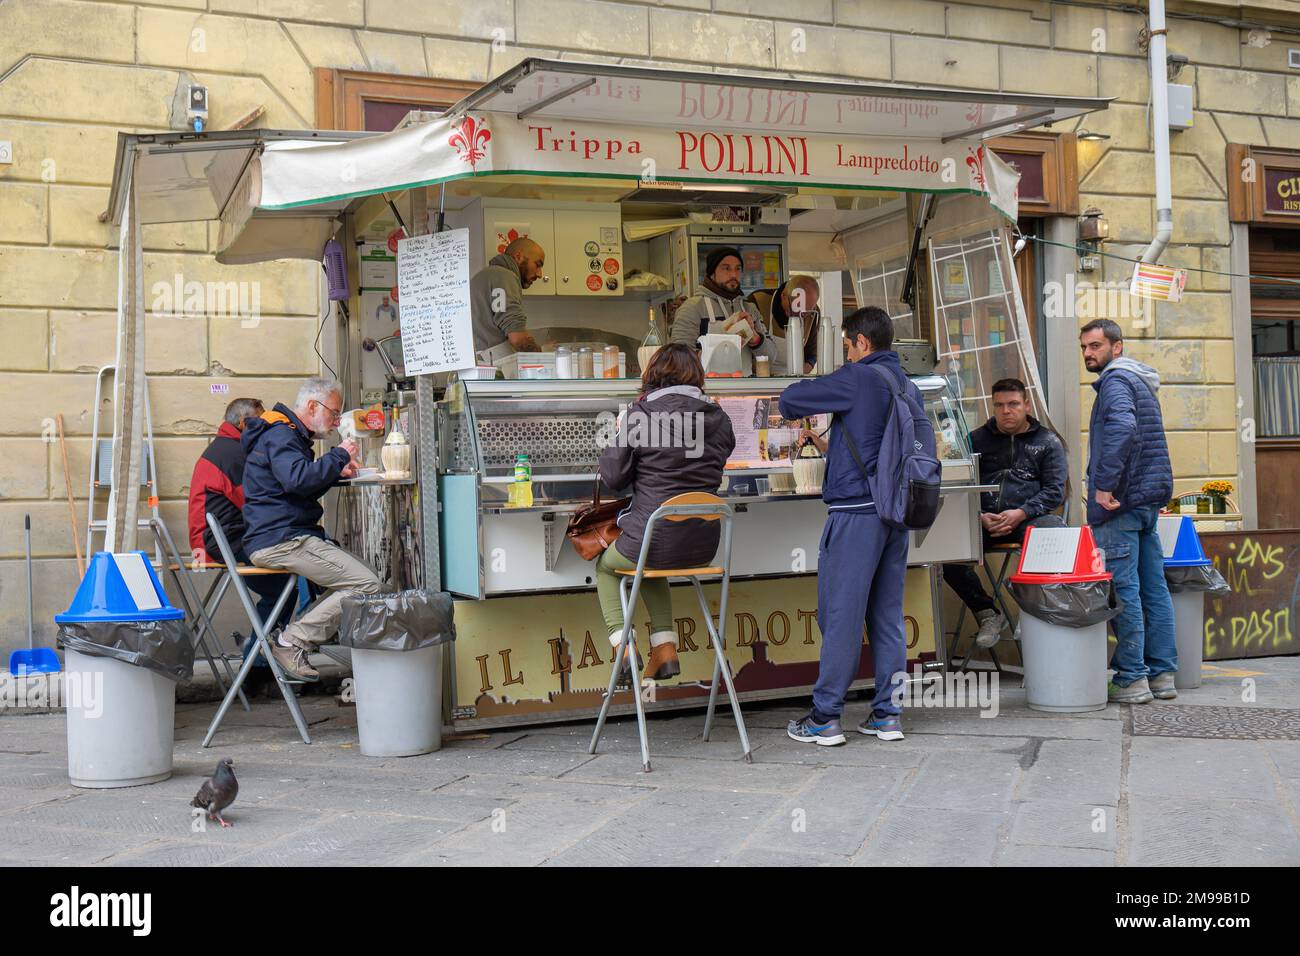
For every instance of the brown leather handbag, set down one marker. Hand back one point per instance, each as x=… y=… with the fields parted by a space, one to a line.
x=592 y=527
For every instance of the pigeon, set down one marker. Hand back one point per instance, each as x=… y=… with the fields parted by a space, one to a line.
x=218 y=792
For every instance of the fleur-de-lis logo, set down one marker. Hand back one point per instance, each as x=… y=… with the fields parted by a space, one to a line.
x=975 y=160
x=469 y=138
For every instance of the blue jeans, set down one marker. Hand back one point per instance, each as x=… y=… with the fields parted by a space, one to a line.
x=1144 y=630
x=861 y=569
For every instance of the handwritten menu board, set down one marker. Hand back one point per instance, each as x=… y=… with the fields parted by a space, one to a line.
x=433 y=286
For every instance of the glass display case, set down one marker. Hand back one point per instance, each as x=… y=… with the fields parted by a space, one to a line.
x=492 y=547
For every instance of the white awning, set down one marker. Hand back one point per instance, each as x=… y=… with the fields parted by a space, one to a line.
x=278 y=194
x=570 y=90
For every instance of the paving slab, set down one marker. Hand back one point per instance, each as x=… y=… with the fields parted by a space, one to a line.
x=832 y=814
x=673 y=828
x=1060 y=824
x=1080 y=771
x=953 y=780
x=1040 y=856
x=673 y=772
x=1182 y=831
x=919 y=836
x=1174 y=766
x=529 y=833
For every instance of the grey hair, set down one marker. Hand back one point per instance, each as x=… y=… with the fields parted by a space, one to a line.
x=242 y=408
x=317 y=389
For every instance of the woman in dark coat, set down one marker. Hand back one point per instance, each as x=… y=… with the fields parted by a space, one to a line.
x=670 y=441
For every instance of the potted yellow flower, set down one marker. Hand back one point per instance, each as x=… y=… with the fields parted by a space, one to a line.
x=1218 y=492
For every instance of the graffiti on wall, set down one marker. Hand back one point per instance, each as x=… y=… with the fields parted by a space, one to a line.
x=1259 y=617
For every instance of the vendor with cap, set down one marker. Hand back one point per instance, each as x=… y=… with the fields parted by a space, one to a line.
x=718 y=306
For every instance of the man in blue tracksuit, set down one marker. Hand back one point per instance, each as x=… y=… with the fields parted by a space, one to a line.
x=1129 y=481
x=862 y=561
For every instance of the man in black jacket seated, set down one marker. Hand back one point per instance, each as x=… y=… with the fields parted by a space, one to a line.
x=1027 y=462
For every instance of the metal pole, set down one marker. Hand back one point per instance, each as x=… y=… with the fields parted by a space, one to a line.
x=1156 y=51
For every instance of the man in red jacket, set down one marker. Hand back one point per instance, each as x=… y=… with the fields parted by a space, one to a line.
x=216 y=487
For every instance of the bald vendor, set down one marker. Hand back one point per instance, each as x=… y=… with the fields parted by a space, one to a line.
x=497 y=297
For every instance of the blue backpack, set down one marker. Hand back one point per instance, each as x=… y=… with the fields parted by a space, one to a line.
x=907 y=477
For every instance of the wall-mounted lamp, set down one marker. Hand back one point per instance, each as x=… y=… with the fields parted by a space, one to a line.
x=1093 y=231
x=1090 y=136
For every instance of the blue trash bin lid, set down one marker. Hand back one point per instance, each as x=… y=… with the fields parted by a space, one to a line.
x=1181 y=543
x=119 y=587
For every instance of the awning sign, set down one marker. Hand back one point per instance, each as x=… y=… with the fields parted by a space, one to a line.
x=1157 y=282
x=493 y=144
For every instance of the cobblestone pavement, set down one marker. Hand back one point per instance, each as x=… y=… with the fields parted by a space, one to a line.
x=1019 y=788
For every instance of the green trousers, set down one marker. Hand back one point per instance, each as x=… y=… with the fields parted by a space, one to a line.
x=654 y=591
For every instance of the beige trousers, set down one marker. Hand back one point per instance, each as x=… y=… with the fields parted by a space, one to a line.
x=326 y=565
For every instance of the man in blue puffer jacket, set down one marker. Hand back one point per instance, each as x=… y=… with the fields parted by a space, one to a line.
x=1129 y=480
x=862 y=563
x=283 y=484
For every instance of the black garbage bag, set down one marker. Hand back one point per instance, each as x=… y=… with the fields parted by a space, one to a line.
x=1204 y=577
x=1069 y=603
x=401 y=621
x=162 y=646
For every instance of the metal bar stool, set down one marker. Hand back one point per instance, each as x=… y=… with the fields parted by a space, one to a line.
x=235 y=574
x=683 y=507
x=200 y=609
x=997 y=584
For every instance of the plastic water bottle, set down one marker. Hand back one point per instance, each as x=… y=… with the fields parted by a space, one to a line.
x=521 y=489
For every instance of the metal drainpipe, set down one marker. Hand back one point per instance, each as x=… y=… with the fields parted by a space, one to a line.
x=1160 y=122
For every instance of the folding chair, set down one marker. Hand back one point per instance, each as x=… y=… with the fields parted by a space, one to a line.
x=198 y=608
x=235 y=573
x=679 y=508
x=1010 y=554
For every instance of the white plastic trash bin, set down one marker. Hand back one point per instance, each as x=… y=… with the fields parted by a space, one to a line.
x=1065 y=597
x=1189 y=637
x=399 y=700
x=121 y=722
x=1065 y=667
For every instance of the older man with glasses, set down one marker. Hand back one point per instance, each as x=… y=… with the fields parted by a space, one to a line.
x=283 y=484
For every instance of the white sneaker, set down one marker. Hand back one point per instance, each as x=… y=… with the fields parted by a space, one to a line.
x=990 y=631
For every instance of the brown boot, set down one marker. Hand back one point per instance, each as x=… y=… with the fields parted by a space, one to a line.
x=293 y=661
x=663 y=662
x=625 y=667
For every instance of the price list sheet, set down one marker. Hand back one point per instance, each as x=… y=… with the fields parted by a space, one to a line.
x=433 y=288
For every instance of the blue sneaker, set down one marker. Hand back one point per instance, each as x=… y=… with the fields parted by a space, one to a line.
x=886 y=728
x=806 y=730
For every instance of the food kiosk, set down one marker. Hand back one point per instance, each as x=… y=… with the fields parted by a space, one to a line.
x=624 y=175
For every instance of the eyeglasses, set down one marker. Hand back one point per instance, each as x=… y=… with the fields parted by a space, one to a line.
x=335 y=414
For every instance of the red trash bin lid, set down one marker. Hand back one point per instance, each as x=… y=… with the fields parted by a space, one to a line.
x=1059 y=556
